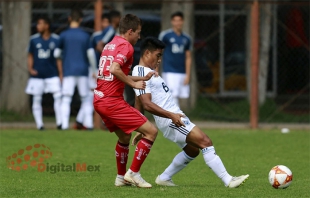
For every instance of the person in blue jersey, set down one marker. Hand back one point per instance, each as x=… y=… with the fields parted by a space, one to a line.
x=98 y=35
x=45 y=75
x=75 y=54
x=109 y=32
x=177 y=58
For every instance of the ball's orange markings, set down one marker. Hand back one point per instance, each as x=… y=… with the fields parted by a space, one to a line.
x=43 y=146
x=42 y=152
x=47 y=151
x=14 y=155
x=41 y=159
x=37 y=146
x=17 y=168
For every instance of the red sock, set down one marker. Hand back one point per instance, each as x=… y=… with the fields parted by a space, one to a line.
x=142 y=150
x=121 y=153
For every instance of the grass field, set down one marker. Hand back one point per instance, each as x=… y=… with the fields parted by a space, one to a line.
x=242 y=151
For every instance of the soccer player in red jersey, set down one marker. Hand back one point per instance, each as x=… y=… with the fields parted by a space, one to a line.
x=119 y=117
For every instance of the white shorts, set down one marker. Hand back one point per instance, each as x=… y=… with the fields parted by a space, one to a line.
x=91 y=80
x=173 y=133
x=175 y=82
x=38 y=86
x=69 y=83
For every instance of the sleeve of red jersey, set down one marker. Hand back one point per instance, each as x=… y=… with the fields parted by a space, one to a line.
x=124 y=53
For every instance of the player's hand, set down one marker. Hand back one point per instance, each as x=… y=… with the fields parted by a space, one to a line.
x=149 y=75
x=176 y=119
x=139 y=85
x=186 y=80
x=33 y=72
x=136 y=139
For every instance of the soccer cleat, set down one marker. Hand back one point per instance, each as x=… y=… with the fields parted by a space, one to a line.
x=136 y=179
x=237 y=181
x=41 y=128
x=121 y=182
x=160 y=182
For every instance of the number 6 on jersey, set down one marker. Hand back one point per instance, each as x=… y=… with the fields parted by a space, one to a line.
x=104 y=68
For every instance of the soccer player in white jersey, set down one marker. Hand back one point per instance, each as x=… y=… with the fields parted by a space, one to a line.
x=158 y=100
x=44 y=74
x=177 y=58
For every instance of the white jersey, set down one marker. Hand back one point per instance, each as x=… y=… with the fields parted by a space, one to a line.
x=161 y=94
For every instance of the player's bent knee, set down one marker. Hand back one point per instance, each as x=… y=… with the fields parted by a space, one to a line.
x=205 y=141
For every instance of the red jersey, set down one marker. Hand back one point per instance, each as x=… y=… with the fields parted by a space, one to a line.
x=119 y=50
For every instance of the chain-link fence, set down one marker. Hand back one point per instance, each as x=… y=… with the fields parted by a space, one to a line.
x=221 y=51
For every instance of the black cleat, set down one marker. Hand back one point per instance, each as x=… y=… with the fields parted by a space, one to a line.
x=59 y=127
x=41 y=128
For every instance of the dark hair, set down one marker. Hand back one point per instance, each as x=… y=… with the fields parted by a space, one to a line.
x=151 y=44
x=76 y=15
x=114 y=14
x=128 y=22
x=45 y=19
x=177 y=14
x=106 y=16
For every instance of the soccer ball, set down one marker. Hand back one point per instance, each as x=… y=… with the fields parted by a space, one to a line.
x=280 y=176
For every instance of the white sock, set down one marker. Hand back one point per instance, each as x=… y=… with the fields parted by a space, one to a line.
x=37 y=110
x=57 y=107
x=216 y=164
x=88 y=109
x=179 y=162
x=65 y=111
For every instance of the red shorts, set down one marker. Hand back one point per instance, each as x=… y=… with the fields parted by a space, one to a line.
x=116 y=113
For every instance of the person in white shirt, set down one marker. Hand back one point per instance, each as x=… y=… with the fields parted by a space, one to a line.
x=157 y=99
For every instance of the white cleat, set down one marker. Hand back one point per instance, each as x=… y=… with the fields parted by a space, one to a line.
x=237 y=181
x=136 y=179
x=160 y=182
x=121 y=182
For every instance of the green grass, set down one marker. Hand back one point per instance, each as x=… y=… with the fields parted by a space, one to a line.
x=239 y=111
x=242 y=151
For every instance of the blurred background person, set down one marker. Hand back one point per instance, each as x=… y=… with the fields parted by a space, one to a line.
x=109 y=32
x=177 y=58
x=45 y=76
x=75 y=53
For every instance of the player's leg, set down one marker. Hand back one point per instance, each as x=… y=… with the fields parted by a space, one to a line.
x=121 y=153
x=68 y=85
x=87 y=101
x=143 y=148
x=35 y=87
x=200 y=140
x=180 y=161
x=184 y=91
x=173 y=81
x=53 y=85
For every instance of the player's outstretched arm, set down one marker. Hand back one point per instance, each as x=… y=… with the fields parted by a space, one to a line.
x=148 y=105
x=116 y=70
